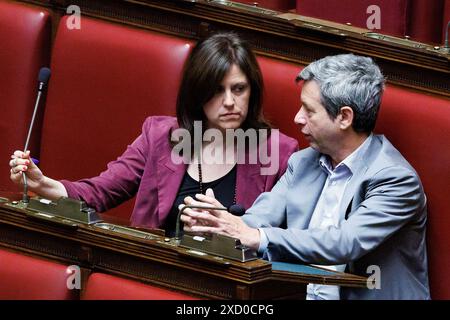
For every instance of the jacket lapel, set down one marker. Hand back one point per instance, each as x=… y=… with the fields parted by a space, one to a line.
x=169 y=177
x=350 y=191
x=357 y=178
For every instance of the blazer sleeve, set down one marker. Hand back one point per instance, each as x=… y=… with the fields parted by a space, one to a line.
x=393 y=197
x=120 y=181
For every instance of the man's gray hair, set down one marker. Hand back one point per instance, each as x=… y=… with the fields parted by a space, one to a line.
x=348 y=80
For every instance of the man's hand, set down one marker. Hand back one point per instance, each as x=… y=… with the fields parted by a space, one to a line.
x=217 y=221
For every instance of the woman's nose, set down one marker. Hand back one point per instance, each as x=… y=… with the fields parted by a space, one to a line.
x=228 y=99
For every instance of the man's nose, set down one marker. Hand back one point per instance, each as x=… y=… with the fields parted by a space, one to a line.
x=300 y=117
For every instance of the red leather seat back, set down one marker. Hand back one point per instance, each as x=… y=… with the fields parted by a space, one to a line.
x=282 y=96
x=102 y=286
x=106 y=80
x=280 y=5
x=419 y=127
x=425 y=20
x=394 y=13
x=25 y=47
x=26 y=278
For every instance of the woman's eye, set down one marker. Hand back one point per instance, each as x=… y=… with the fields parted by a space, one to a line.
x=239 y=88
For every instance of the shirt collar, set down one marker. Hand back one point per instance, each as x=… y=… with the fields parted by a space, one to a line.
x=353 y=161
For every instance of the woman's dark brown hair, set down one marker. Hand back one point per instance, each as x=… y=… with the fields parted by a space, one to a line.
x=204 y=71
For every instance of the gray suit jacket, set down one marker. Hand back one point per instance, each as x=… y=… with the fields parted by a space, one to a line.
x=383 y=220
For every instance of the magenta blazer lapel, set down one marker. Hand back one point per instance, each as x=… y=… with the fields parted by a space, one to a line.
x=169 y=177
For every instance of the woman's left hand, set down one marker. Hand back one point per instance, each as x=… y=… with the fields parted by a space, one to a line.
x=217 y=221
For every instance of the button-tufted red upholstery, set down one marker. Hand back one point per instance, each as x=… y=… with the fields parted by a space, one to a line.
x=25 y=47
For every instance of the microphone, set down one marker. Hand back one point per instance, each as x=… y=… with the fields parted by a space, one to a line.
x=44 y=75
x=446 y=46
x=235 y=209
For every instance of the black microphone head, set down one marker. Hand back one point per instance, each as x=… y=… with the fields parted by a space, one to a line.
x=44 y=75
x=236 y=209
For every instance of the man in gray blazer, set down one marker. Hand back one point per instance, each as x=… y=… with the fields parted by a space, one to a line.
x=349 y=202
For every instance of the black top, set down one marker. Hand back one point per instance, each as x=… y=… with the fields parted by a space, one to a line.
x=224 y=191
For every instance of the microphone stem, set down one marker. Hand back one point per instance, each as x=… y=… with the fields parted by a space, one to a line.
x=446 y=36
x=25 y=197
x=32 y=121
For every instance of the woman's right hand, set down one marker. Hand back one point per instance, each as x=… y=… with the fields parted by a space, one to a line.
x=21 y=162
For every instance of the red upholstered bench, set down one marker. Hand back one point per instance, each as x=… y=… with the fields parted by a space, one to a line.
x=27 y=278
x=25 y=47
x=106 y=80
x=102 y=286
x=419 y=126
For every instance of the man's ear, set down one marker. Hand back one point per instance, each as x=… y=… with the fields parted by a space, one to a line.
x=345 y=117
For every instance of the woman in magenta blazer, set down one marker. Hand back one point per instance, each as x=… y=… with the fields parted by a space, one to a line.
x=220 y=91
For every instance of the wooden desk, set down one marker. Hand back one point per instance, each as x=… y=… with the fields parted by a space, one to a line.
x=154 y=259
